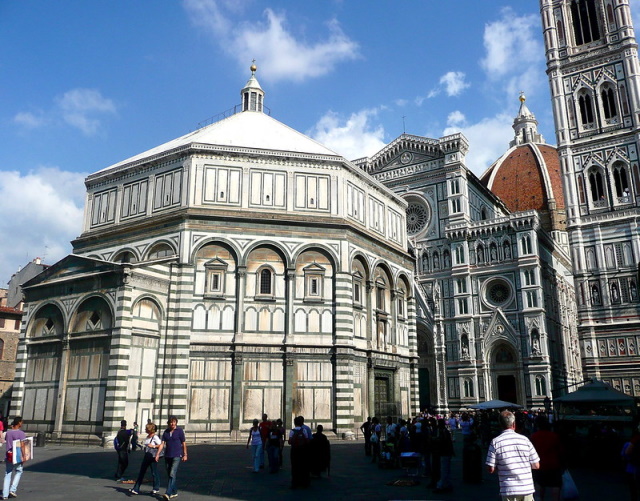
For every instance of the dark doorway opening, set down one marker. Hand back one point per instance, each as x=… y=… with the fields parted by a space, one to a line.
x=382 y=390
x=424 y=388
x=507 y=389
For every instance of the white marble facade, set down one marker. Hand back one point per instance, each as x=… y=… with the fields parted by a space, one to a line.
x=240 y=269
x=496 y=304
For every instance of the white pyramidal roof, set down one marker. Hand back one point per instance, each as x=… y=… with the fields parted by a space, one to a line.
x=248 y=129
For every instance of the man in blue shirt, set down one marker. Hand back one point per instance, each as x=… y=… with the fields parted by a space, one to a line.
x=175 y=449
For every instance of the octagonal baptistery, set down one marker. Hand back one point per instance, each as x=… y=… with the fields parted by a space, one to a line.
x=240 y=269
x=528 y=176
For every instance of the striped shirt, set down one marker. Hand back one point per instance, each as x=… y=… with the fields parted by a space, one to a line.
x=512 y=455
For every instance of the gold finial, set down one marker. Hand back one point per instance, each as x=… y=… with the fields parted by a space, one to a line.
x=253 y=67
x=522 y=98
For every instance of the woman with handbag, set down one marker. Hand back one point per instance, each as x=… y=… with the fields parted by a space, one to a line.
x=150 y=445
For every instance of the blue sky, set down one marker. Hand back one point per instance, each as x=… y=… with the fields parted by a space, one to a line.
x=85 y=84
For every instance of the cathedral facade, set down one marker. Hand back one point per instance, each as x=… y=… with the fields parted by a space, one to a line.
x=238 y=270
x=496 y=308
x=592 y=61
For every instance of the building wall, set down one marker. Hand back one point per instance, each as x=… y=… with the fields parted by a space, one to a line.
x=10 y=321
x=495 y=282
x=187 y=323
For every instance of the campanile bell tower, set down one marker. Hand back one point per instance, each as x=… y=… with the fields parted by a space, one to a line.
x=594 y=74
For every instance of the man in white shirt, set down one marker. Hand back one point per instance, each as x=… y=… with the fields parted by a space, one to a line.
x=513 y=456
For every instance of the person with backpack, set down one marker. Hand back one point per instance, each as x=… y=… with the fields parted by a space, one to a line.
x=121 y=445
x=299 y=439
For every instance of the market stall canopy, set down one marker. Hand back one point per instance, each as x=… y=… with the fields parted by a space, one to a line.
x=495 y=404
x=596 y=392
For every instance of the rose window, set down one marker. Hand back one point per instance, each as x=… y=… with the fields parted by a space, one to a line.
x=417 y=218
x=498 y=292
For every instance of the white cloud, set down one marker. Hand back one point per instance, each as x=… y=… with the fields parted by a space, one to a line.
x=512 y=44
x=352 y=138
x=279 y=54
x=488 y=138
x=30 y=120
x=79 y=107
x=456 y=118
x=41 y=213
x=453 y=83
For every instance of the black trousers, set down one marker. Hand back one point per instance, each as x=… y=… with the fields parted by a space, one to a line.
x=123 y=462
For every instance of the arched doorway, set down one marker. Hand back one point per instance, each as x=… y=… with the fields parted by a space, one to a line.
x=505 y=373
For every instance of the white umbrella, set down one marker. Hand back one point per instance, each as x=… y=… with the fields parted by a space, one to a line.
x=495 y=404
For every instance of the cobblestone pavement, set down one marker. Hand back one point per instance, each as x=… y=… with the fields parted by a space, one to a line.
x=223 y=472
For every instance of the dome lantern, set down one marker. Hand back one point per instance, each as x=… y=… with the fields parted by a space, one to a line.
x=525 y=125
x=252 y=94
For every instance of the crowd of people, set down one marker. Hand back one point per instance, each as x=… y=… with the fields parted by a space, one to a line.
x=171 y=446
x=521 y=448
x=527 y=455
x=310 y=452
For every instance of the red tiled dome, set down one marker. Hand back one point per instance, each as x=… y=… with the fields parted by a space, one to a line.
x=526 y=177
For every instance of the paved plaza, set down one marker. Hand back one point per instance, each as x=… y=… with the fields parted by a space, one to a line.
x=223 y=472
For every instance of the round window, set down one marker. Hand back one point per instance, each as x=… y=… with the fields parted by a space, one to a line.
x=498 y=292
x=417 y=218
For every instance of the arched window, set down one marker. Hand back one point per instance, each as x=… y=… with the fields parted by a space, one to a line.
x=610 y=17
x=597 y=186
x=381 y=292
x=266 y=282
x=560 y=30
x=580 y=183
x=586 y=108
x=624 y=99
x=125 y=257
x=608 y=102
x=160 y=250
x=483 y=214
x=468 y=388
x=585 y=21
x=1 y=349
x=621 y=181
x=541 y=386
